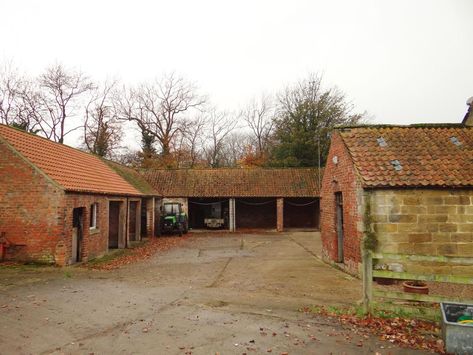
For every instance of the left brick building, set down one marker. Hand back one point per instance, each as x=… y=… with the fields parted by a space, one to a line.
x=61 y=205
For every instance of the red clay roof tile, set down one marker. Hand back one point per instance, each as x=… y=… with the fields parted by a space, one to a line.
x=71 y=168
x=257 y=182
x=426 y=154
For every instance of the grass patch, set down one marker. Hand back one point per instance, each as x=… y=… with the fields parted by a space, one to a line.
x=109 y=257
x=358 y=312
x=24 y=266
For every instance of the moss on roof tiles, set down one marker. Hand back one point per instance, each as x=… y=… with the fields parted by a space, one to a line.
x=132 y=177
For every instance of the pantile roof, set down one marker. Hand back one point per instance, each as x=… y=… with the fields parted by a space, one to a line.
x=256 y=182
x=71 y=168
x=133 y=177
x=412 y=156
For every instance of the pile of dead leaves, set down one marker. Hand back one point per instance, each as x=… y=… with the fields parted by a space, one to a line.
x=404 y=332
x=142 y=252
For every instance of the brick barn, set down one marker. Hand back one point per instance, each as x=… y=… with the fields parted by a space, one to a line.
x=408 y=187
x=259 y=198
x=61 y=205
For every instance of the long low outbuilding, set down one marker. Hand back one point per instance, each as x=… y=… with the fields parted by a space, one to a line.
x=242 y=198
x=61 y=205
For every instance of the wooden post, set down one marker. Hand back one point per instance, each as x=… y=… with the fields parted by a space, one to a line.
x=232 y=215
x=367 y=281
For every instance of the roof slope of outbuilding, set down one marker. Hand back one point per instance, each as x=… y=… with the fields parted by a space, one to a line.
x=256 y=182
x=412 y=156
x=70 y=168
x=133 y=177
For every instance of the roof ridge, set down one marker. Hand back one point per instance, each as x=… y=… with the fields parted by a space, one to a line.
x=232 y=168
x=413 y=125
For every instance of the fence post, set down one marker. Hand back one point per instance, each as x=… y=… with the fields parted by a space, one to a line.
x=367 y=281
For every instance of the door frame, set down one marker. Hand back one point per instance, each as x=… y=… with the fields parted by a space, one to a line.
x=137 y=202
x=122 y=222
x=77 y=234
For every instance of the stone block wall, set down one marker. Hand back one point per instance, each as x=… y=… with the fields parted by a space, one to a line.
x=423 y=221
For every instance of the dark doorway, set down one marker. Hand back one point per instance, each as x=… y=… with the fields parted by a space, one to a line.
x=77 y=234
x=258 y=213
x=132 y=221
x=301 y=212
x=144 y=219
x=214 y=209
x=113 y=224
x=339 y=223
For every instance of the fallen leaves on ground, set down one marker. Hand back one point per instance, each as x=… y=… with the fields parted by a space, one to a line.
x=404 y=332
x=139 y=253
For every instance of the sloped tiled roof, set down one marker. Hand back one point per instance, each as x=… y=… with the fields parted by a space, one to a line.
x=71 y=168
x=133 y=177
x=257 y=182
x=415 y=156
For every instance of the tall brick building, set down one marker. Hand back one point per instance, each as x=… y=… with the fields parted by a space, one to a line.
x=410 y=188
x=61 y=205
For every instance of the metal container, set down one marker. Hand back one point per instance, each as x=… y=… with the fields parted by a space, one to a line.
x=458 y=337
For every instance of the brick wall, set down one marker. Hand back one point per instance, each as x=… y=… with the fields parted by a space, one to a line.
x=280 y=214
x=423 y=221
x=95 y=241
x=31 y=209
x=341 y=177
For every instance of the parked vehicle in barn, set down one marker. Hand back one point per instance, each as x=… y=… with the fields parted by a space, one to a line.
x=173 y=219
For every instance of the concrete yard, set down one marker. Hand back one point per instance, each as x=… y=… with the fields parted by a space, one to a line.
x=215 y=294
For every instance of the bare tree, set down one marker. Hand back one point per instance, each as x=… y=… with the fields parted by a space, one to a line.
x=10 y=89
x=221 y=124
x=102 y=131
x=17 y=101
x=61 y=90
x=259 y=116
x=194 y=138
x=235 y=148
x=160 y=108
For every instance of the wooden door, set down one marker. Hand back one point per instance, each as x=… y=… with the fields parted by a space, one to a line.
x=77 y=234
x=132 y=221
x=113 y=224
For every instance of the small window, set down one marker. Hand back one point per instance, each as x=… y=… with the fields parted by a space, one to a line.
x=93 y=215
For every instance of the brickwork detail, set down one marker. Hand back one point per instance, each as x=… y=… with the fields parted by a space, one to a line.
x=31 y=209
x=280 y=214
x=95 y=241
x=340 y=176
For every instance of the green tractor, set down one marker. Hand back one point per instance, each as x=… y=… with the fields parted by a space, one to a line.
x=173 y=219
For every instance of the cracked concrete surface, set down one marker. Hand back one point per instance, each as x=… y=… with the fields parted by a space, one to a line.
x=218 y=293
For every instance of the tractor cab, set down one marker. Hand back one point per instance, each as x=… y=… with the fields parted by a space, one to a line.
x=173 y=219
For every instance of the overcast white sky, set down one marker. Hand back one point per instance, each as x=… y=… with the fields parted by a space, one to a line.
x=403 y=61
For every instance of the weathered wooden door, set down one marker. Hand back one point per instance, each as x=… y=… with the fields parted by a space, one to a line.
x=113 y=224
x=77 y=228
x=132 y=220
x=339 y=221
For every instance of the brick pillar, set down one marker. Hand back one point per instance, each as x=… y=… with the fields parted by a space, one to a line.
x=280 y=214
x=231 y=215
x=150 y=216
